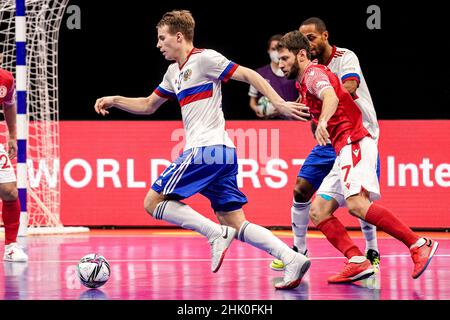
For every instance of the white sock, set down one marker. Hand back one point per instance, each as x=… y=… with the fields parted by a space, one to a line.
x=370 y=234
x=264 y=239
x=184 y=216
x=300 y=220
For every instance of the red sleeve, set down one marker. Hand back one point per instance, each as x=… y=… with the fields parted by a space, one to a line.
x=9 y=99
x=316 y=80
x=7 y=88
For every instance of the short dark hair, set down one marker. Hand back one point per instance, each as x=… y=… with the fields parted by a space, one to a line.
x=275 y=37
x=319 y=23
x=179 y=21
x=295 y=41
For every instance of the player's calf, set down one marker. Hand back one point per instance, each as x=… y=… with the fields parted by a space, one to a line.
x=358 y=205
x=317 y=214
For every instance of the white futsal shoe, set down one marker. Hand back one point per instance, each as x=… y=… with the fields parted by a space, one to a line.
x=294 y=272
x=219 y=246
x=14 y=253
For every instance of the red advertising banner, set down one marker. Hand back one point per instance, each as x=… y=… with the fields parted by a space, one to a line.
x=107 y=167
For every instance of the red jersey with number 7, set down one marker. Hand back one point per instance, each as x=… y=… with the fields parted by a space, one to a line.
x=345 y=126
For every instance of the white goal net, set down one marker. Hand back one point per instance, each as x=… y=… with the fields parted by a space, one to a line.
x=43 y=20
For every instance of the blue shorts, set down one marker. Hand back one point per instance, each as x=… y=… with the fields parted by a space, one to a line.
x=210 y=171
x=319 y=163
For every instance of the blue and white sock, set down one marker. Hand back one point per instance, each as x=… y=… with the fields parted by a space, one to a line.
x=264 y=239
x=370 y=234
x=300 y=220
x=182 y=215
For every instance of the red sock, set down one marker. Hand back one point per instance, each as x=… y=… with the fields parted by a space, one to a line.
x=11 y=219
x=389 y=223
x=335 y=232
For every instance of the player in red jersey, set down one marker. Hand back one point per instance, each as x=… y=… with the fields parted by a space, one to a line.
x=8 y=186
x=353 y=180
x=319 y=162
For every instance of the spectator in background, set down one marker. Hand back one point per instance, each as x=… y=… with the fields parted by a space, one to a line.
x=272 y=73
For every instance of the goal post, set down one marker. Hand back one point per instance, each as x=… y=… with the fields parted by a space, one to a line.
x=29 y=31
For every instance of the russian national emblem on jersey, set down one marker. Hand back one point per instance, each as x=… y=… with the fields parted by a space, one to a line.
x=183 y=76
x=187 y=75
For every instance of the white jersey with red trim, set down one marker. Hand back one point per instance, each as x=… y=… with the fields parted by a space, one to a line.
x=197 y=87
x=345 y=64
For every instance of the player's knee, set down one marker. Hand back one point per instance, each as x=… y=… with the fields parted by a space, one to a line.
x=234 y=224
x=151 y=201
x=150 y=205
x=303 y=192
x=355 y=207
x=316 y=214
x=9 y=193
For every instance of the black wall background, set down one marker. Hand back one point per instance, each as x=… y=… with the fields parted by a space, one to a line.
x=405 y=63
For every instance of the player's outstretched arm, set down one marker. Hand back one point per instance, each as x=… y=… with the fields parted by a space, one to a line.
x=290 y=110
x=146 y=105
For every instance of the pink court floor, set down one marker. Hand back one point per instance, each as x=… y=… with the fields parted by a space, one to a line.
x=175 y=265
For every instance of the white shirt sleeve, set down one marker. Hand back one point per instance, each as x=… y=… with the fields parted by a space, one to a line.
x=350 y=68
x=217 y=67
x=165 y=89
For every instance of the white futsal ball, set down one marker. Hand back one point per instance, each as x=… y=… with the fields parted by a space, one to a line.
x=265 y=107
x=93 y=270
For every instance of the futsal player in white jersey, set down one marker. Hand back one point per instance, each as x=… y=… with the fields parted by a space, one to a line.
x=208 y=164
x=345 y=64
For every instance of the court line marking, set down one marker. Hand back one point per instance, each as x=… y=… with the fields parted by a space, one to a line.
x=227 y=259
x=191 y=234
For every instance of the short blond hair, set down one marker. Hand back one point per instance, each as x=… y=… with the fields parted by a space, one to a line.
x=179 y=21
